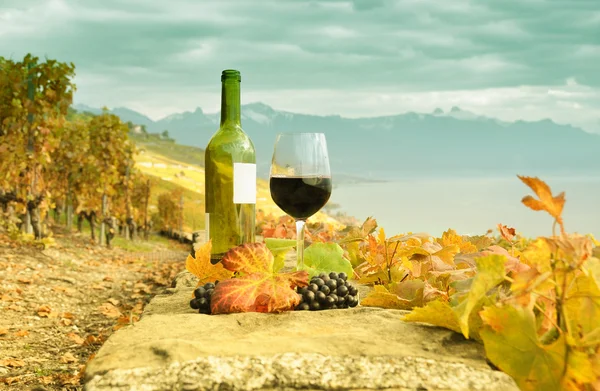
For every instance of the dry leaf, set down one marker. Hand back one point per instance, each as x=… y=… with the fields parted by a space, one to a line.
x=67 y=315
x=68 y=358
x=25 y=280
x=12 y=363
x=549 y=203
x=66 y=322
x=109 y=310
x=75 y=338
x=201 y=267
x=113 y=301
x=44 y=311
x=507 y=233
x=22 y=333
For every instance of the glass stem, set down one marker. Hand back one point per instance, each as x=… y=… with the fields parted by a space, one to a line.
x=300 y=244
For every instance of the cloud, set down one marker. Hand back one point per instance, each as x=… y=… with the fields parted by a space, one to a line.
x=364 y=56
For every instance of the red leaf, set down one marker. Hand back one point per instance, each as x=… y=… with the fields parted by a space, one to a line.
x=258 y=289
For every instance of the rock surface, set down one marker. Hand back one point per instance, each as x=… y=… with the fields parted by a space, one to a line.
x=174 y=348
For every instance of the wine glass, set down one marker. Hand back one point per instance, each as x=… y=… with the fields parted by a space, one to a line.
x=300 y=179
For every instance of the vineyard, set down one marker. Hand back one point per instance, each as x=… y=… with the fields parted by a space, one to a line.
x=534 y=304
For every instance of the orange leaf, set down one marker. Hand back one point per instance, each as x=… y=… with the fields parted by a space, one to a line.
x=75 y=338
x=258 y=289
x=507 y=232
x=109 y=310
x=12 y=363
x=68 y=358
x=549 y=203
x=22 y=333
x=201 y=267
x=44 y=311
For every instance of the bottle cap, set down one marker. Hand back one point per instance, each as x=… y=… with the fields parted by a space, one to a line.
x=231 y=74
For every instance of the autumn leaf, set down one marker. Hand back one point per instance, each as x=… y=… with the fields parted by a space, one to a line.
x=109 y=310
x=582 y=306
x=75 y=338
x=480 y=241
x=490 y=272
x=506 y=232
x=511 y=343
x=380 y=296
x=22 y=333
x=12 y=363
x=437 y=312
x=551 y=204
x=325 y=258
x=67 y=358
x=354 y=233
x=258 y=288
x=44 y=311
x=201 y=267
x=450 y=237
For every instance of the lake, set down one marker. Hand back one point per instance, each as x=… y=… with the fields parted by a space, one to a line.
x=469 y=205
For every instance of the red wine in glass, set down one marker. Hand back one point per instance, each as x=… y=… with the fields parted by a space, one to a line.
x=300 y=197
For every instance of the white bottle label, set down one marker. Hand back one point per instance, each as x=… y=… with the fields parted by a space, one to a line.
x=244 y=183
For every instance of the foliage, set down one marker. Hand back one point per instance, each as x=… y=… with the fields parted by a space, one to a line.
x=259 y=286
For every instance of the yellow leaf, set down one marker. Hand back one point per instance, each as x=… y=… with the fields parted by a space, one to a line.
x=549 y=203
x=450 y=237
x=437 y=313
x=380 y=296
x=201 y=267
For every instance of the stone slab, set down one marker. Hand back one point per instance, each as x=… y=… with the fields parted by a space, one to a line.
x=173 y=347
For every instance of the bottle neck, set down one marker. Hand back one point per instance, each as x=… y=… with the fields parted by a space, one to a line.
x=230 y=102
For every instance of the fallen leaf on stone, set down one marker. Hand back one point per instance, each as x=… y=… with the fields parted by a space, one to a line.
x=12 y=363
x=109 y=310
x=68 y=358
x=113 y=301
x=75 y=338
x=22 y=333
x=93 y=340
x=66 y=379
x=25 y=280
x=3 y=331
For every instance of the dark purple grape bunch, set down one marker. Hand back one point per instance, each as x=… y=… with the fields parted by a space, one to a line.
x=202 y=295
x=327 y=292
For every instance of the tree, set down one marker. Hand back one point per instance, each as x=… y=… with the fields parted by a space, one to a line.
x=165 y=134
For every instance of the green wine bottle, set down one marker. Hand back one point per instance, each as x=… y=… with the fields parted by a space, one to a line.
x=230 y=176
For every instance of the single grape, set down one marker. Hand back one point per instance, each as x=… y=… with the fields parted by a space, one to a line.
x=349 y=299
x=313 y=287
x=302 y=307
x=329 y=301
x=203 y=303
x=343 y=276
x=199 y=292
x=315 y=306
x=194 y=304
x=340 y=282
x=353 y=291
x=209 y=285
x=335 y=297
x=309 y=296
x=320 y=297
x=318 y=281
x=323 y=275
x=341 y=301
x=333 y=307
x=209 y=292
x=325 y=289
x=302 y=290
x=332 y=284
x=353 y=303
x=342 y=290
x=333 y=275
x=325 y=278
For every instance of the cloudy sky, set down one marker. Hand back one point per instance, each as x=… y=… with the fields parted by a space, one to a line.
x=511 y=59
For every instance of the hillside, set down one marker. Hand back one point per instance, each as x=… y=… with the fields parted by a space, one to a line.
x=173 y=166
x=436 y=144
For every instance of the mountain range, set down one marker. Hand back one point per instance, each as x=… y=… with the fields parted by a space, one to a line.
x=452 y=143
